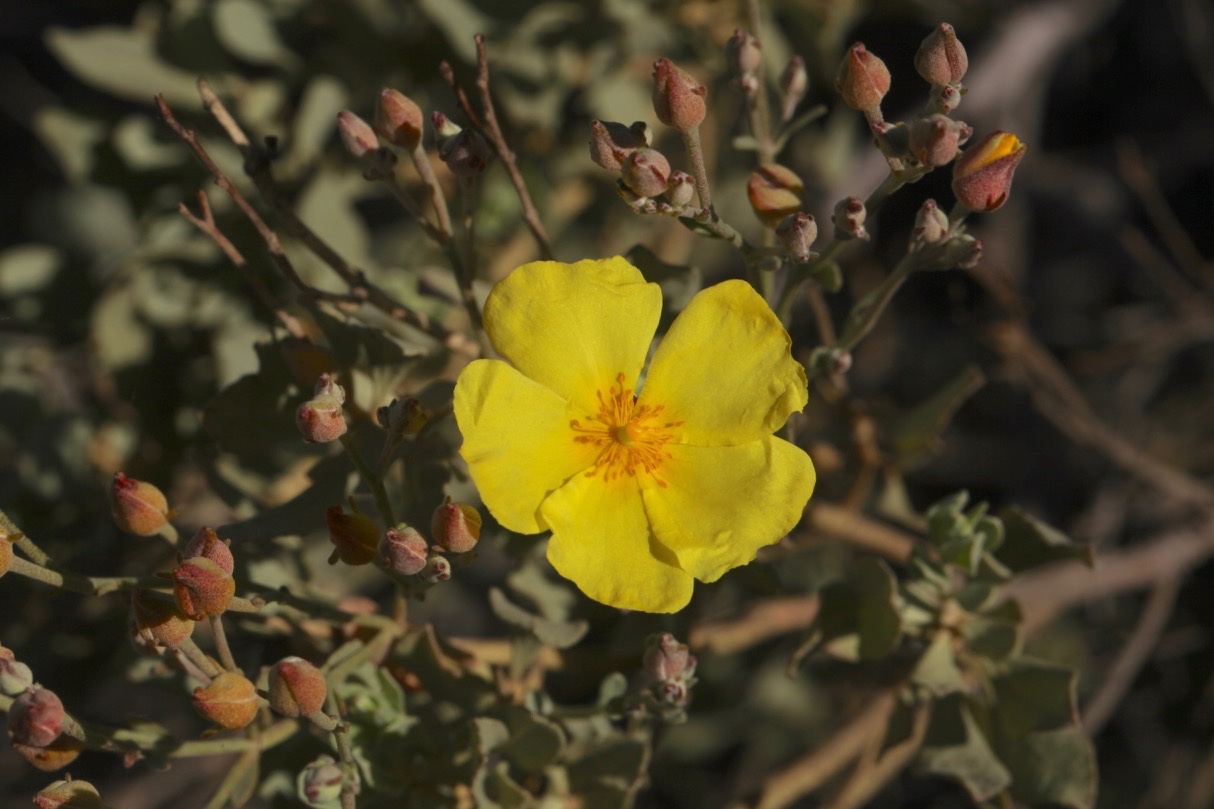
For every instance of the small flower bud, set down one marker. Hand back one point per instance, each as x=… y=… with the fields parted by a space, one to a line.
x=678 y=99
x=55 y=756
x=963 y=252
x=862 y=80
x=680 y=189
x=982 y=175
x=743 y=53
x=402 y=417
x=646 y=172
x=68 y=795
x=297 y=688
x=941 y=58
x=138 y=507
x=455 y=527
x=796 y=233
x=158 y=623
x=945 y=98
x=355 y=537
x=356 y=134
x=935 y=139
x=667 y=659
x=467 y=154
x=206 y=543
x=611 y=142
x=399 y=120
x=230 y=700
x=203 y=589
x=35 y=719
x=15 y=676
x=794 y=84
x=437 y=569
x=403 y=550
x=319 y=784
x=320 y=419
x=931 y=226
x=848 y=219
x=444 y=127
x=774 y=192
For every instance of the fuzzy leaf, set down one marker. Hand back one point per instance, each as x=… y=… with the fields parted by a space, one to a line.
x=1056 y=767
x=558 y=634
x=956 y=748
x=1030 y=542
x=1034 y=696
x=937 y=669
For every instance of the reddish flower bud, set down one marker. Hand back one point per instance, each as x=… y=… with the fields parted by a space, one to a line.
x=467 y=154
x=355 y=537
x=320 y=419
x=945 y=98
x=678 y=99
x=848 y=219
x=774 y=192
x=15 y=676
x=35 y=719
x=297 y=688
x=667 y=659
x=982 y=175
x=935 y=139
x=646 y=172
x=55 y=756
x=794 y=84
x=680 y=189
x=68 y=795
x=202 y=588
x=931 y=226
x=230 y=700
x=941 y=58
x=402 y=417
x=437 y=569
x=743 y=53
x=403 y=550
x=356 y=134
x=320 y=782
x=399 y=120
x=206 y=543
x=862 y=80
x=796 y=233
x=456 y=527
x=611 y=142
x=158 y=623
x=138 y=507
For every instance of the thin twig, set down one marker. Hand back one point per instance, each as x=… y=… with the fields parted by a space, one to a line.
x=875 y=771
x=766 y=619
x=221 y=643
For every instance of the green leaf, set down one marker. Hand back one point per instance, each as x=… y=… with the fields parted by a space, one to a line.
x=1029 y=543
x=1034 y=695
x=1056 y=767
x=122 y=61
x=916 y=433
x=878 y=621
x=534 y=742
x=956 y=748
x=937 y=669
x=558 y=634
x=246 y=30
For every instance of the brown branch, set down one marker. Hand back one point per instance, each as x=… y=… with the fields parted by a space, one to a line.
x=765 y=620
x=875 y=770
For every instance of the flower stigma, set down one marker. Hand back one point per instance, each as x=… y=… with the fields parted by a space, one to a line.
x=630 y=437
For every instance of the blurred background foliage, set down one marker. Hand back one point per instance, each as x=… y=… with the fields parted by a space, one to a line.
x=120 y=327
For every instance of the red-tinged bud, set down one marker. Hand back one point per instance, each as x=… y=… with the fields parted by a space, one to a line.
x=55 y=756
x=848 y=219
x=797 y=233
x=230 y=700
x=935 y=139
x=138 y=507
x=931 y=226
x=743 y=53
x=862 y=80
x=297 y=688
x=157 y=622
x=467 y=154
x=666 y=659
x=982 y=175
x=356 y=134
x=456 y=527
x=203 y=589
x=319 y=784
x=437 y=569
x=680 y=189
x=678 y=99
x=444 y=127
x=206 y=543
x=35 y=719
x=15 y=676
x=945 y=98
x=403 y=550
x=399 y=120
x=320 y=419
x=646 y=173
x=68 y=795
x=794 y=84
x=611 y=142
x=306 y=360
x=402 y=417
x=355 y=537
x=941 y=58
x=774 y=192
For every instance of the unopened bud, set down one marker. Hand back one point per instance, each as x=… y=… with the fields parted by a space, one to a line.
x=203 y=589
x=646 y=173
x=437 y=569
x=444 y=127
x=206 y=543
x=982 y=175
x=403 y=550
x=963 y=252
x=848 y=219
x=355 y=537
x=15 y=676
x=319 y=784
x=797 y=233
x=931 y=226
x=296 y=687
x=945 y=98
x=862 y=80
x=680 y=189
x=794 y=84
x=55 y=756
x=157 y=622
x=667 y=659
x=678 y=99
x=941 y=58
x=455 y=527
x=611 y=142
x=774 y=192
x=138 y=507
x=402 y=417
x=230 y=700
x=935 y=139
x=743 y=53
x=35 y=719
x=467 y=154
x=71 y=794
x=320 y=419
x=356 y=134
x=399 y=120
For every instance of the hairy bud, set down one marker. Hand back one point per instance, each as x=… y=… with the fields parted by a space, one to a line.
x=356 y=134
x=935 y=139
x=862 y=80
x=35 y=719
x=437 y=569
x=931 y=226
x=467 y=154
x=455 y=527
x=206 y=543
x=611 y=142
x=796 y=233
x=646 y=172
x=403 y=550
x=355 y=537
x=319 y=784
x=774 y=192
x=848 y=218
x=678 y=99
x=138 y=507
x=297 y=688
x=69 y=794
x=230 y=700
x=743 y=53
x=680 y=189
x=158 y=623
x=982 y=175
x=399 y=120
x=402 y=417
x=941 y=58
x=15 y=676
x=794 y=84
x=203 y=589
x=320 y=419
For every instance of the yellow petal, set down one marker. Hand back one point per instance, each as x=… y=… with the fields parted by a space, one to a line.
x=724 y=369
x=721 y=504
x=575 y=327
x=601 y=542
x=517 y=441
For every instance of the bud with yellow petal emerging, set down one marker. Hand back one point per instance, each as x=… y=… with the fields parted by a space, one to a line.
x=138 y=507
x=230 y=700
x=774 y=192
x=455 y=527
x=678 y=99
x=862 y=80
x=982 y=175
x=296 y=688
x=203 y=589
x=355 y=537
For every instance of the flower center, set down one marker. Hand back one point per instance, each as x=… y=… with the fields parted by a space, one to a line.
x=630 y=438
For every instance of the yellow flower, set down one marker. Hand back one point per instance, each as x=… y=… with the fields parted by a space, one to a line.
x=643 y=493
